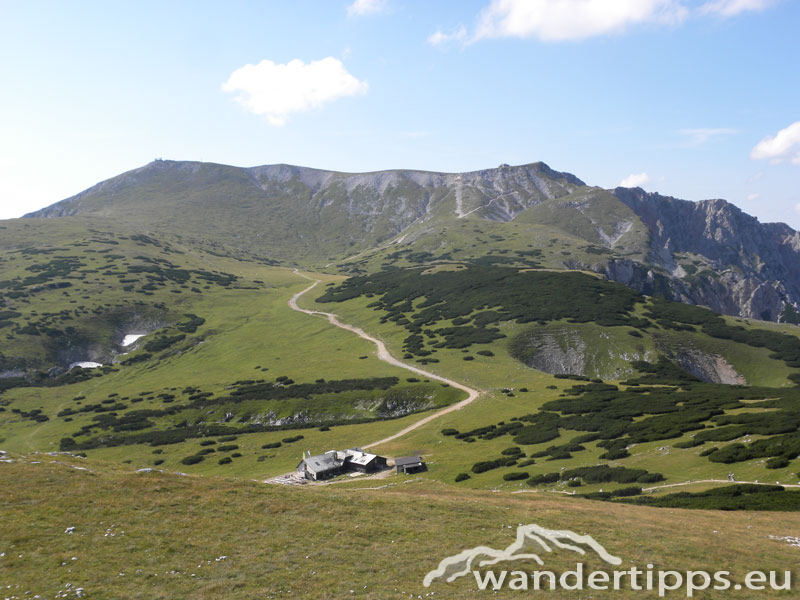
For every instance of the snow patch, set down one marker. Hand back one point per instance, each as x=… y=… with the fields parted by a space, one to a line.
x=131 y=338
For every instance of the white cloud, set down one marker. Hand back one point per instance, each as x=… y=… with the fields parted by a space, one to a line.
x=571 y=20
x=785 y=145
x=704 y=134
x=277 y=90
x=797 y=208
x=731 y=8
x=754 y=196
x=439 y=37
x=560 y=20
x=635 y=180
x=360 y=8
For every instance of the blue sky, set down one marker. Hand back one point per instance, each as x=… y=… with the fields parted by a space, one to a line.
x=692 y=98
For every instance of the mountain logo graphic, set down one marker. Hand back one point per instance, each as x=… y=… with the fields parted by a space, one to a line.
x=453 y=567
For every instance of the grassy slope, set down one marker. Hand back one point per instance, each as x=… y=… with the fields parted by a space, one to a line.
x=249 y=328
x=244 y=329
x=472 y=237
x=151 y=535
x=255 y=330
x=449 y=456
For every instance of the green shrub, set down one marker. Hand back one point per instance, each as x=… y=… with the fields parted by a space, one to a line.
x=732 y=497
x=535 y=434
x=462 y=477
x=162 y=343
x=779 y=462
x=516 y=476
x=225 y=461
x=626 y=492
x=606 y=474
x=545 y=478
x=192 y=460
x=488 y=465
x=615 y=454
x=513 y=451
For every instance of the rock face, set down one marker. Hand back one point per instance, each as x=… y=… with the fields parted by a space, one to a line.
x=751 y=269
x=708 y=367
x=559 y=349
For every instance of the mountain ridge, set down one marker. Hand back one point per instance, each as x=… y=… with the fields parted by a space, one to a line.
x=708 y=252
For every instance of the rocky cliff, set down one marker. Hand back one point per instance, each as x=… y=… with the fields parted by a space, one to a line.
x=711 y=253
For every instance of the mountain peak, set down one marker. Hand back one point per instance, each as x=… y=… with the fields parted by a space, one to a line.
x=707 y=252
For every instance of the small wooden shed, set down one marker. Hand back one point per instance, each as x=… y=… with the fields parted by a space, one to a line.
x=409 y=464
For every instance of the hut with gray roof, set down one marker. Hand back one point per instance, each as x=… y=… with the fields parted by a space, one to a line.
x=337 y=462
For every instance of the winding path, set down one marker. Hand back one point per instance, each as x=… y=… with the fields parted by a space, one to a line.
x=385 y=356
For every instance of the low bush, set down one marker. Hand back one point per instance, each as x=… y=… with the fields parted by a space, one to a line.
x=615 y=454
x=545 y=478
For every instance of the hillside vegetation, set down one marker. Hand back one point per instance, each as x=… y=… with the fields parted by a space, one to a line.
x=98 y=530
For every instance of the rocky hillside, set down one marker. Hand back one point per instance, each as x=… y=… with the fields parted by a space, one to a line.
x=714 y=254
x=305 y=215
x=708 y=252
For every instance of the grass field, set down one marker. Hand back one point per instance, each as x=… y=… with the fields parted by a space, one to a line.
x=159 y=535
